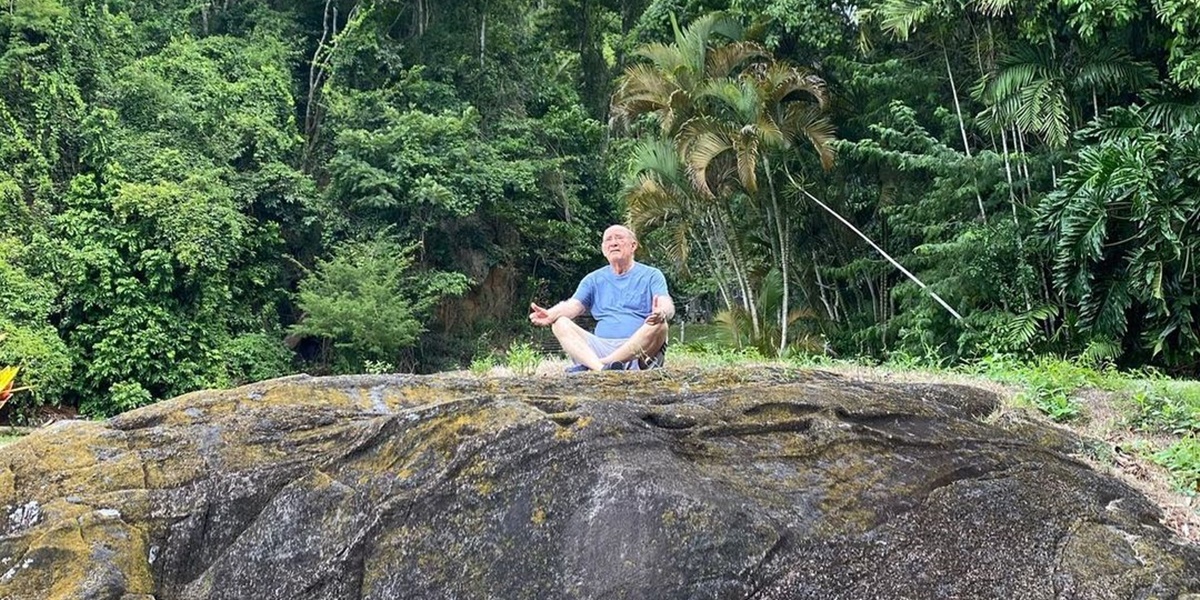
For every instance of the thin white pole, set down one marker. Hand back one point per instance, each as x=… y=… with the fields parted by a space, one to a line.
x=877 y=249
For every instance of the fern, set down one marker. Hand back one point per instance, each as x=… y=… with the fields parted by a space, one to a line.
x=1022 y=330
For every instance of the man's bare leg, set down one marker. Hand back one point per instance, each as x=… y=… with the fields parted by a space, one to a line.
x=646 y=342
x=573 y=341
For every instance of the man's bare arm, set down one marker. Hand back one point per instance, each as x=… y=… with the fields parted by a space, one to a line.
x=663 y=310
x=542 y=317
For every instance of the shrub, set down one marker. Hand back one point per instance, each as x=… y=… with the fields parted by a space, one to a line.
x=122 y=396
x=255 y=357
x=481 y=365
x=377 y=367
x=1049 y=381
x=371 y=301
x=45 y=366
x=523 y=359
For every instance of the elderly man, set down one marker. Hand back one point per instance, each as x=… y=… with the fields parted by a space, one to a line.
x=631 y=306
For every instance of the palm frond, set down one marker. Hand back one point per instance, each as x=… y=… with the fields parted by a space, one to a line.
x=1100 y=351
x=715 y=24
x=1119 y=123
x=770 y=132
x=724 y=60
x=807 y=122
x=1023 y=328
x=702 y=147
x=993 y=8
x=1168 y=112
x=657 y=156
x=1112 y=69
x=667 y=58
x=725 y=95
x=746 y=152
x=652 y=205
x=784 y=80
x=900 y=17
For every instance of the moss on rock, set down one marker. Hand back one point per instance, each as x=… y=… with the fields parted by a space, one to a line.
x=764 y=483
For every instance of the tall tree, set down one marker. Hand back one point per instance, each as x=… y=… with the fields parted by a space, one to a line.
x=669 y=89
x=730 y=110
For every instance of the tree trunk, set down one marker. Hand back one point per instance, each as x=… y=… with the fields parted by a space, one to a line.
x=829 y=310
x=781 y=231
x=1012 y=196
x=748 y=299
x=962 y=127
x=482 y=35
x=1024 y=164
x=317 y=74
x=719 y=268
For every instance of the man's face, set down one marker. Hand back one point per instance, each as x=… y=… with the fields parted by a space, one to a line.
x=618 y=244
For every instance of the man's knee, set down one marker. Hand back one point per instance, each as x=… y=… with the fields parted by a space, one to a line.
x=563 y=326
x=656 y=332
x=651 y=337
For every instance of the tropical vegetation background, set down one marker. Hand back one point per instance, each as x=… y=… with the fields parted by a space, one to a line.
x=200 y=193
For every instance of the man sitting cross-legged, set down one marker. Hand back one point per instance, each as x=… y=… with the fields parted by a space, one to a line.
x=631 y=306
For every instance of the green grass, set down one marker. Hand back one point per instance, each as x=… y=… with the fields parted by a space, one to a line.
x=1166 y=406
x=696 y=334
x=8 y=439
x=1182 y=459
x=1048 y=383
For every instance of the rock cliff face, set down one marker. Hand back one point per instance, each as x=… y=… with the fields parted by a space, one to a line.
x=751 y=484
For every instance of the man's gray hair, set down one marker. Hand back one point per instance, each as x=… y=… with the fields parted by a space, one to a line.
x=632 y=234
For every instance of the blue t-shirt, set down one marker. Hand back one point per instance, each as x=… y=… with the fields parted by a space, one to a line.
x=621 y=303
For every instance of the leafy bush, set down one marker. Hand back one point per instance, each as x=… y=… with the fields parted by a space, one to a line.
x=27 y=339
x=45 y=365
x=1049 y=381
x=927 y=357
x=370 y=302
x=523 y=359
x=377 y=367
x=122 y=396
x=481 y=365
x=1054 y=401
x=255 y=357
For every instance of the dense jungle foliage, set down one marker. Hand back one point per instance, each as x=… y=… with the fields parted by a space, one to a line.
x=198 y=193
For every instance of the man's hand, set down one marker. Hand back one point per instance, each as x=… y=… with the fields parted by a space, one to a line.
x=539 y=316
x=658 y=312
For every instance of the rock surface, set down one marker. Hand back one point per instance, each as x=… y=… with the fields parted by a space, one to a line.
x=739 y=484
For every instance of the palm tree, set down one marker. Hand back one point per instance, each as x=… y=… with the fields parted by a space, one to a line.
x=1033 y=86
x=667 y=86
x=668 y=89
x=660 y=196
x=728 y=110
x=770 y=109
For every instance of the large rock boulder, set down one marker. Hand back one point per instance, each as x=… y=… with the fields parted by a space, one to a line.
x=741 y=484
